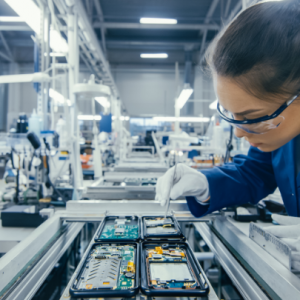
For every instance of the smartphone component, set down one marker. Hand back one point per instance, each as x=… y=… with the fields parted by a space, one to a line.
x=159 y=227
x=119 y=228
x=171 y=269
x=108 y=267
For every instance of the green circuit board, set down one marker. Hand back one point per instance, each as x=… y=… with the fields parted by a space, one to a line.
x=120 y=229
x=108 y=267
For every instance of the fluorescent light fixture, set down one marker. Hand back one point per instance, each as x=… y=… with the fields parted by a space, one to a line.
x=28 y=11
x=89 y=117
x=154 y=55
x=158 y=21
x=127 y=118
x=56 y=54
x=213 y=105
x=103 y=101
x=58 y=98
x=184 y=95
x=182 y=119
x=57 y=42
x=11 y=19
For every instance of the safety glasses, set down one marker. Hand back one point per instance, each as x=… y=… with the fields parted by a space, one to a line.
x=259 y=125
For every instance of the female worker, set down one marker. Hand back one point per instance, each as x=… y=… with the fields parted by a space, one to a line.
x=255 y=65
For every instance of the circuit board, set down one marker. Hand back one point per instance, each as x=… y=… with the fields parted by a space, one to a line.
x=108 y=267
x=120 y=228
x=158 y=226
x=169 y=268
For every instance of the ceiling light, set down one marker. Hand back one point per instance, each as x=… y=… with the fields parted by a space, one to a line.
x=11 y=19
x=154 y=55
x=184 y=95
x=158 y=21
x=182 y=119
x=103 y=101
x=89 y=117
x=28 y=11
x=213 y=105
x=57 y=42
x=58 y=98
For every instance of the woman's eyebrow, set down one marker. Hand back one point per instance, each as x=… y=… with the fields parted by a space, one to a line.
x=246 y=112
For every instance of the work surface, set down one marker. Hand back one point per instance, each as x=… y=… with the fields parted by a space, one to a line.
x=11 y=236
x=256 y=274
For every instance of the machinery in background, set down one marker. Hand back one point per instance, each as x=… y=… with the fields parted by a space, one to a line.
x=37 y=171
x=117 y=188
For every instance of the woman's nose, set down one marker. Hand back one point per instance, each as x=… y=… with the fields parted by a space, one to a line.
x=239 y=133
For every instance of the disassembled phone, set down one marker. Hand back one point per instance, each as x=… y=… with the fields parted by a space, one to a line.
x=109 y=270
x=170 y=269
x=158 y=227
x=115 y=228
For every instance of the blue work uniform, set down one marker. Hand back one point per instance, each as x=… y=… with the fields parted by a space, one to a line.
x=251 y=178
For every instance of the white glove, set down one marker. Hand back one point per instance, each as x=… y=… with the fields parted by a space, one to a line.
x=289 y=232
x=187 y=182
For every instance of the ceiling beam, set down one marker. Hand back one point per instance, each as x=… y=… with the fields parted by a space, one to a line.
x=114 y=25
x=6 y=57
x=152 y=45
x=102 y=28
x=234 y=12
x=227 y=8
x=14 y=27
x=209 y=14
x=8 y=51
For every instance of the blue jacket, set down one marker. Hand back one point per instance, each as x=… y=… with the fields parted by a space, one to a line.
x=251 y=178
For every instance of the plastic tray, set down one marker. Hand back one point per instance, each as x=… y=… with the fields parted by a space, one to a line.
x=102 y=293
x=112 y=218
x=145 y=236
x=202 y=286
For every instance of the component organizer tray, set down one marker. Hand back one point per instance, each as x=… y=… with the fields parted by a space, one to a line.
x=117 y=229
x=171 y=269
x=156 y=228
x=109 y=270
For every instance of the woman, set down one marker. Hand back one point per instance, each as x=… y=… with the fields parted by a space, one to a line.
x=255 y=66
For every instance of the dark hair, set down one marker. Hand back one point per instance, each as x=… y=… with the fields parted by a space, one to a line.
x=260 y=49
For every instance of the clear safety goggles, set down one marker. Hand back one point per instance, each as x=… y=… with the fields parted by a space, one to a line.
x=259 y=125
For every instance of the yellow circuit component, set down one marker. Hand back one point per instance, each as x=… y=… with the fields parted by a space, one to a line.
x=150 y=254
x=159 y=250
x=64 y=152
x=167 y=225
x=187 y=284
x=88 y=286
x=182 y=254
x=130 y=267
x=45 y=200
x=154 y=282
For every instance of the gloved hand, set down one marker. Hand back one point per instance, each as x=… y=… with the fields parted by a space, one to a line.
x=289 y=232
x=187 y=182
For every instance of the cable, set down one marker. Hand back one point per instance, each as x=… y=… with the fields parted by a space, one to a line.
x=229 y=146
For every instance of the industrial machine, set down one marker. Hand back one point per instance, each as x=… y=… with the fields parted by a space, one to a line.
x=116 y=186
